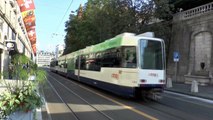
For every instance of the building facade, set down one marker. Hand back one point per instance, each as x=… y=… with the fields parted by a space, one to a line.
x=192 y=38
x=59 y=50
x=44 y=58
x=13 y=35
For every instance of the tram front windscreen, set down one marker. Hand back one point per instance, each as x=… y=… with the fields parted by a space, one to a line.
x=151 y=55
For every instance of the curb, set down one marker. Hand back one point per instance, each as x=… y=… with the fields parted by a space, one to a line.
x=44 y=109
x=190 y=94
x=38 y=115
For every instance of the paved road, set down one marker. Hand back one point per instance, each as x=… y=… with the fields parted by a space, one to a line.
x=70 y=100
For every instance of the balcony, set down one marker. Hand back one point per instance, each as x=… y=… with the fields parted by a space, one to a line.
x=195 y=12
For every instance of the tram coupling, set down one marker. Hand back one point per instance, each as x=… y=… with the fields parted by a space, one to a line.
x=154 y=94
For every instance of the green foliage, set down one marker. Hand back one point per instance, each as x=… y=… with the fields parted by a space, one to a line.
x=104 y=19
x=163 y=9
x=24 y=99
x=19 y=59
x=40 y=76
x=21 y=94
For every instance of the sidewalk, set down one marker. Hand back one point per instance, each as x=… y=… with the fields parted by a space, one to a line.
x=203 y=91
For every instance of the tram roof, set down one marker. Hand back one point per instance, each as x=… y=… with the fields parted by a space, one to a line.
x=125 y=39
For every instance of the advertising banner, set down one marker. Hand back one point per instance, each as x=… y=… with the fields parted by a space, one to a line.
x=27 y=10
x=32 y=36
x=29 y=19
x=26 y=5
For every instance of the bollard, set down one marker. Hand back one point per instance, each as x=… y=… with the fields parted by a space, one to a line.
x=169 y=83
x=194 y=86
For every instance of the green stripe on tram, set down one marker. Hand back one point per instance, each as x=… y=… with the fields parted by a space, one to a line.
x=112 y=43
x=108 y=44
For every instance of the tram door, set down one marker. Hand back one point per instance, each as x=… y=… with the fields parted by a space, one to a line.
x=78 y=66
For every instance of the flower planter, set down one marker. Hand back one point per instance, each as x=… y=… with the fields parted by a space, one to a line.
x=21 y=90
x=30 y=115
x=20 y=115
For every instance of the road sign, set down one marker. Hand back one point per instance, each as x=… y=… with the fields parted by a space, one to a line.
x=176 y=56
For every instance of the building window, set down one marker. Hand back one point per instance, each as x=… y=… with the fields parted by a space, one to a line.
x=13 y=36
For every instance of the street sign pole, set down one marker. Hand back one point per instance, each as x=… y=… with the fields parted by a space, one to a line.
x=175 y=71
x=176 y=58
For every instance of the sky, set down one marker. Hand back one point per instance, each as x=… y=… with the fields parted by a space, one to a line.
x=49 y=24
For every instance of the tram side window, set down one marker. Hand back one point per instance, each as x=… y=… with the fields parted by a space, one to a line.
x=129 y=59
x=82 y=63
x=92 y=64
x=53 y=63
x=106 y=60
x=76 y=63
x=94 y=61
x=116 y=58
x=59 y=64
x=111 y=58
x=65 y=65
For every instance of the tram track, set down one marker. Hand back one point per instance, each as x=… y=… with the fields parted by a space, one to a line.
x=108 y=98
x=154 y=108
x=76 y=117
x=170 y=110
x=75 y=94
x=138 y=101
x=163 y=108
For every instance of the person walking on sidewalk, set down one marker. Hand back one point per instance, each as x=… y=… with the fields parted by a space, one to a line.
x=11 y=68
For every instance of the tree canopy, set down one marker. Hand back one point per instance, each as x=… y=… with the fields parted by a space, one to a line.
x=99 y=20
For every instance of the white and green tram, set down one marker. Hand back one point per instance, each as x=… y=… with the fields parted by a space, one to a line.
x=127 y=64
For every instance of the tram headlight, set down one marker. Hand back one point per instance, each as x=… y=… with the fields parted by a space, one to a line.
x=143 y=81
x=162 y=81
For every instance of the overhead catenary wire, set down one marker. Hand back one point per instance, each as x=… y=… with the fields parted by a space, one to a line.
x=64 y=16
x=55 y=33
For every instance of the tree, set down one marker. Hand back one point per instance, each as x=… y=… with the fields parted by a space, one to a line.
x=104 y=19
x=163 y=11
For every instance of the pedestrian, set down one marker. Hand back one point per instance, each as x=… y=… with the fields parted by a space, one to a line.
x=11 y=71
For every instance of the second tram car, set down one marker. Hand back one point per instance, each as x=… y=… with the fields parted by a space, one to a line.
x=127 y=64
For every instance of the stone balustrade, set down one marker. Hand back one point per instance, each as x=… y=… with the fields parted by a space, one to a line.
x=197 y=11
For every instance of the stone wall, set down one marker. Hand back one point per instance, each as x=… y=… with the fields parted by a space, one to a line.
x=192 y=36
